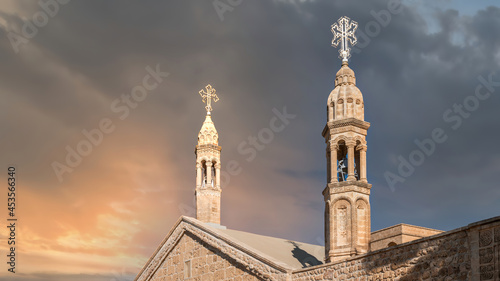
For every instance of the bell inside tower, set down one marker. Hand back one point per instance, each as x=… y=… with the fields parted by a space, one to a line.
x=208 y=174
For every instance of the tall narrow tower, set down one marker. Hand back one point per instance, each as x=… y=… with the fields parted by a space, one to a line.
x=347 y=206
x=208 y=190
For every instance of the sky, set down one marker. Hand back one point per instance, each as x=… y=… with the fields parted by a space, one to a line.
x=100 y=113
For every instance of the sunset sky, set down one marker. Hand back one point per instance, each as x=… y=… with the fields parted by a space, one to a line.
x=67 y=68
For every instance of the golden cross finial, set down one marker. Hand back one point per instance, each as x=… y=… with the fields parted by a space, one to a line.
x=207 y=97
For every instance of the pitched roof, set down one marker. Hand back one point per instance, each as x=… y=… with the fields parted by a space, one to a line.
x=263 y=255
x=292 y=253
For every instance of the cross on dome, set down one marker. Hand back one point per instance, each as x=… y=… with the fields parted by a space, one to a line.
x=207 y=96
x=343 y=32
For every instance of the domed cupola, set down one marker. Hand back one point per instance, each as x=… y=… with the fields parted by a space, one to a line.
x=208 y=133
x=346 y=100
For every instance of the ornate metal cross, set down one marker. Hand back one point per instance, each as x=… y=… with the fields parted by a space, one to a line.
x=343 y=32
x=207 y=97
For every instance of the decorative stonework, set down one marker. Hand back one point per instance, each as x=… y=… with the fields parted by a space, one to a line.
x=342 y=226
x=349 y=122
x=485 y=237
x=347 y=129
x=486 y=272
x=486 y=255
x=489 y=254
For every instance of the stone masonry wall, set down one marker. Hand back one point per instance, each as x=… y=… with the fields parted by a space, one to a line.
x=468 y=253
x=206 y=264
x=444 y=258
x=485 y=245
x=399 y=234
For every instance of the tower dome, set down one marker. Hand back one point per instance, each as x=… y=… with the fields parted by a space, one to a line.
x=208 y=133
x=346 y=100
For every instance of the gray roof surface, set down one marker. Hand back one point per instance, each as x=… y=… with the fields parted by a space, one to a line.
x=296 y=255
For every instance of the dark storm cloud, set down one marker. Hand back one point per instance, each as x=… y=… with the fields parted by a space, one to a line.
x=435 y=73
x=263 y=55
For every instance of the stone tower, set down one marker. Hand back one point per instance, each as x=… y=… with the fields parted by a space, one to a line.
x=208 y=190
x=347 y=205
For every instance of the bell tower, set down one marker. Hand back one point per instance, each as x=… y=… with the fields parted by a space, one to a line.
x=208 y=190
x=347 y=205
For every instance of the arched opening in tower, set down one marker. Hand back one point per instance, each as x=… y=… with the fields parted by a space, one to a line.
x=357 y=160
x=203 y=173
x=212 y=173
x=342 y=162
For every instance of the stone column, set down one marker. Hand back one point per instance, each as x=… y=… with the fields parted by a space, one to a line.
x=209 y=172
x=362 y=160
x=350 y=160
x=198 y=175
x=331 y=252
x=328 y=164
x=329 y=230
x=217 y=175
x=333 y=163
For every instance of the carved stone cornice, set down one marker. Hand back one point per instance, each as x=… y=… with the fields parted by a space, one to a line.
x=348 y=183
x=207 y=147
x=347 y=186
x=348 y=124
x=257 y=264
